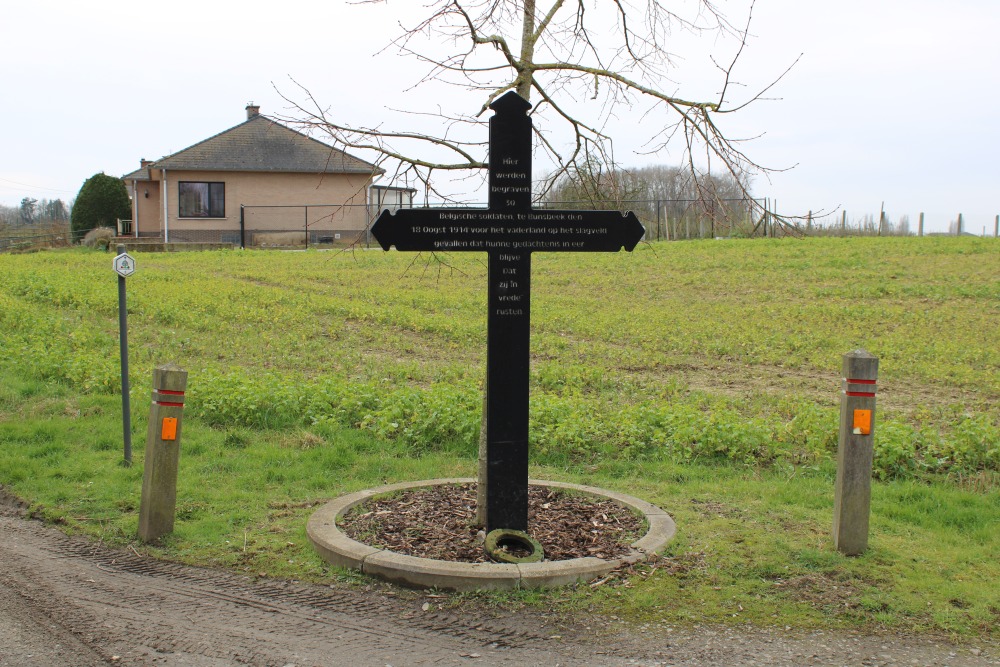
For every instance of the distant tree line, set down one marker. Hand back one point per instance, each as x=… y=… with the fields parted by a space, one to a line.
x=101 y=202
x=34 y=212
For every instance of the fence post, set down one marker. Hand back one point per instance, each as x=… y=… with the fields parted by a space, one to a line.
x=959 y=232
x=855 y=451
x=843 y=222
x=657 y=219
x=243 y=230
x=920 y=228
x=996 y=227
x=163 y=446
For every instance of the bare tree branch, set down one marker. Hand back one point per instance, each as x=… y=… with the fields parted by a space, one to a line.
x=571 y=55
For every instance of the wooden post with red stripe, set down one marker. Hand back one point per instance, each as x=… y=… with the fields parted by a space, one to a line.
x=855 y=451
x=163 y=448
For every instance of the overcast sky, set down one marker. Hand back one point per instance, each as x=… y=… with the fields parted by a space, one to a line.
x=894 y=101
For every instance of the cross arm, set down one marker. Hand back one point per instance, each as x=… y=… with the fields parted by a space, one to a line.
x=529 y=230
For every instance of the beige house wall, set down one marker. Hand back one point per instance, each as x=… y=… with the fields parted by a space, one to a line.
x=344 y=194
x=146 y=207
x=335 y=204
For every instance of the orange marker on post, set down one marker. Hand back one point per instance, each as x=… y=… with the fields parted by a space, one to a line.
x=862 y=422
x=169 y=429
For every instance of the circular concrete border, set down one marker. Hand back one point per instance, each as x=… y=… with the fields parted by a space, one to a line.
x=338 y=549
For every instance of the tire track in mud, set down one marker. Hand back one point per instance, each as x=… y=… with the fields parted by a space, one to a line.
x=68 y=602
x=147 y=612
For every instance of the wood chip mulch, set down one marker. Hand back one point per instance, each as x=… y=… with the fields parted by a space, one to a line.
x=440 y=522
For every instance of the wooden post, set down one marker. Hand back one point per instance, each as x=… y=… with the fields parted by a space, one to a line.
x=852 y=496
x=920 y=227
x=163 y=446
x=843 y=222
x=996 y=227
x=658 y=223
x=959 y=230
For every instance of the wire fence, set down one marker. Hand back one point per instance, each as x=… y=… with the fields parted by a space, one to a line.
x=304 y=225
x=33 y=237
x=683 y=219
x=883 y=225
x=331 y=225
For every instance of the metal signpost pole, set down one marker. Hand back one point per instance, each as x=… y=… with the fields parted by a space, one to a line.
x=124 y=266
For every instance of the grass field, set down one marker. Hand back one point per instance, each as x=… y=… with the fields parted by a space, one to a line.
x=701 y=376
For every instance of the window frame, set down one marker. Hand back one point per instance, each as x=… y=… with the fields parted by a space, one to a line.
x=209 y=214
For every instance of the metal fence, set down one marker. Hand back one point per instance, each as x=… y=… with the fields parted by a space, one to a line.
x=310 y=225
x=676 y=219
x=303 y=225
x=20 y=239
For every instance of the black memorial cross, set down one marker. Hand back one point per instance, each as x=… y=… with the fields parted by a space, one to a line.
x=508 y=231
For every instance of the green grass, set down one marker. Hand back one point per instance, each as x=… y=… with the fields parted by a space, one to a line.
x=755 y=547
x=701 y=376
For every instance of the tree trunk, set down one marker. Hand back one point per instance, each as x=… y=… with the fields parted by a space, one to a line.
x=527 y=50
x=524 y=90
x=483 y=467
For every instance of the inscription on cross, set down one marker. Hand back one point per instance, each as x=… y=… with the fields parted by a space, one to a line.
x=509 y=230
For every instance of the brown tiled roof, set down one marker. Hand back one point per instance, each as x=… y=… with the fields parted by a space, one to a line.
x=138 y=175
x=261 y=144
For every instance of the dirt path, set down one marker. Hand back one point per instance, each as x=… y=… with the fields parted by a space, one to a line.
x=66 y=601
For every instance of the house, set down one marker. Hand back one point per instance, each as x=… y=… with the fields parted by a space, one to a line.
x=257 y=183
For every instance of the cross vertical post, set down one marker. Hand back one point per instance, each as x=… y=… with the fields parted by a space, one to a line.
x=508 y=347
x=509 y=230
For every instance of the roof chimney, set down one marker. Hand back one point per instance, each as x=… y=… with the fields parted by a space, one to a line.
x=252 y=110
x=143 y=163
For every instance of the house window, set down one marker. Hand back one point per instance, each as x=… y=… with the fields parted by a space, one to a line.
x=202 y=200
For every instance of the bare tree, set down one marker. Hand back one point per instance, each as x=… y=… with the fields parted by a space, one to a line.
x=9 y=216
x=583 y=62
x=29 y=210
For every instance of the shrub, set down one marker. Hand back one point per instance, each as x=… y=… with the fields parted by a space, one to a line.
x=99 y=237
x=101 y=202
